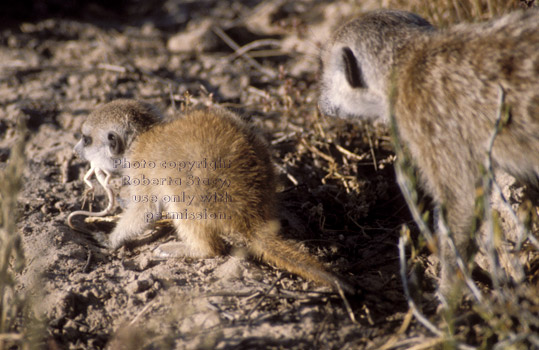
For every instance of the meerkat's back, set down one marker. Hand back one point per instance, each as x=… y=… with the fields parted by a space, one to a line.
x=212 y=152
x=449 y=89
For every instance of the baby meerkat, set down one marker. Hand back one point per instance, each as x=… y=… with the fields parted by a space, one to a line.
x=444 y=89
x=207 y=170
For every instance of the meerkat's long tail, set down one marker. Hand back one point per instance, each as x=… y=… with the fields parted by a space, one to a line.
x=270 y=247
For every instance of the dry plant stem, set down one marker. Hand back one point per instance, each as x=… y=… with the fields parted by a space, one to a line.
x=221 y=312
x=516 y=338
x=144 y=309
x=253 y=45
x=372 y=148
x=346 y=303
x=393 y=342
x=422 y=319
x=269 y=53
x=320 y=330
x=488 y=180
x=234 y=46
x=444 y=232
x=350 y=154
x=88 y=260
x=288 y=175
x=263 y=296
x=103 y=177
x=317 y=151
x=112 y=67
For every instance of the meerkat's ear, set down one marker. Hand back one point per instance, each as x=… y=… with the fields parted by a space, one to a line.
x=116 y=144
x=352 y=72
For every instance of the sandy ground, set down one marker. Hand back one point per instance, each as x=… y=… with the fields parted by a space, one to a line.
x=337 y=189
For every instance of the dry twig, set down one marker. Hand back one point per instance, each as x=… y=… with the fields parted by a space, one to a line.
x=251 y=61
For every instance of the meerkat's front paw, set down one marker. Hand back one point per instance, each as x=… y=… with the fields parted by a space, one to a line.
x=115 y=241
x=100 y=238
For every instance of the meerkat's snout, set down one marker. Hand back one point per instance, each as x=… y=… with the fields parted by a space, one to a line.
x=102 y=149
x=78 y=150
x=79 y=146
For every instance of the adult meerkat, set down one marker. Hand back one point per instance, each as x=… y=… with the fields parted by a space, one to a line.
x=444 y=88
x=208 y=171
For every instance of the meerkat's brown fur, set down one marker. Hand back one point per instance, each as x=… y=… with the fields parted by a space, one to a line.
x=241 y=183
x=447 y=87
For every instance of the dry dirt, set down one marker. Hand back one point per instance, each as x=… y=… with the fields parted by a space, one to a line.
x=338 y=194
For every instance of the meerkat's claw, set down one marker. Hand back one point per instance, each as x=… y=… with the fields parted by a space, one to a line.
x=102 y=240
x=99 y=238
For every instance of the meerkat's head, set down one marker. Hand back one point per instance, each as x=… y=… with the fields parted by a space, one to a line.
x=109 y=131
x=357 y=62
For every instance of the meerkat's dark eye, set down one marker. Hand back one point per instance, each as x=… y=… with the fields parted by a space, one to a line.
x=352 y=72
x=86 y=140
x=116 y=145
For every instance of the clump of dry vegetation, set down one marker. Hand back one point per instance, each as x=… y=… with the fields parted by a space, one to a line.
x=13 y=305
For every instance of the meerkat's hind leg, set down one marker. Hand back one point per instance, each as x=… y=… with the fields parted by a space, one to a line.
x=198 y=241
x=459 y=219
